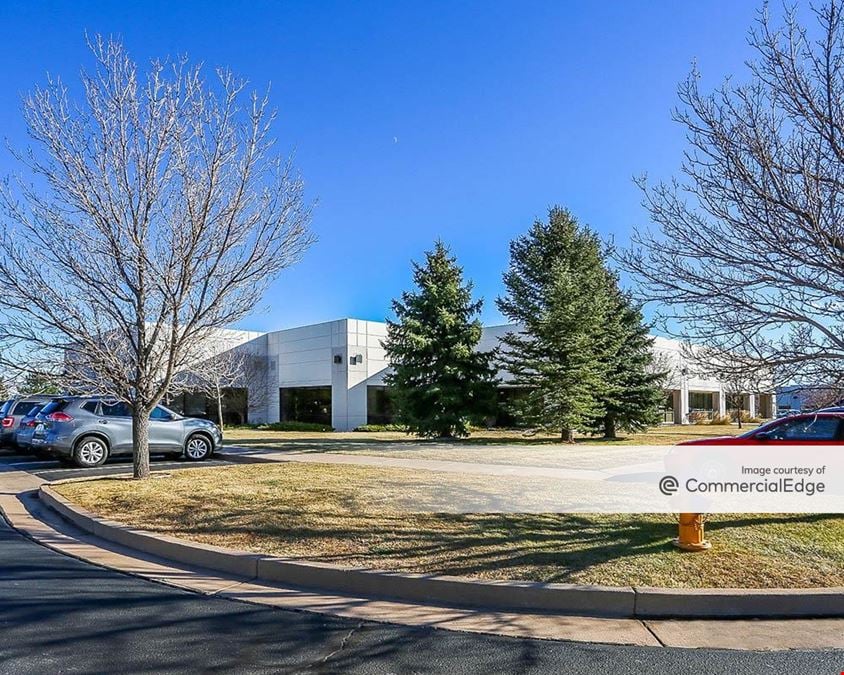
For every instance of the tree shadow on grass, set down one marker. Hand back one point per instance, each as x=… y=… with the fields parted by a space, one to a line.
x=532 y=547
x=537 y=547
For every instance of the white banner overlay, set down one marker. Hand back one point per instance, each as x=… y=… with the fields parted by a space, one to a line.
x=590 y=478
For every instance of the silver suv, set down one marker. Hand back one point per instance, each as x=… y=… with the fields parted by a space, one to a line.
x=88 y=430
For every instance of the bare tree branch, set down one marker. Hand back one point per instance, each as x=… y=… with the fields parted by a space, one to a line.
x=748 y=254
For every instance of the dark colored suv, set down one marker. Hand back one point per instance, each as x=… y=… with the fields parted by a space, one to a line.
x=26 y=428
x=14 y=411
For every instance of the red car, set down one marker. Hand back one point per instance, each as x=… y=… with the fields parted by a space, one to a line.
x=770 y=455
x=821 y=427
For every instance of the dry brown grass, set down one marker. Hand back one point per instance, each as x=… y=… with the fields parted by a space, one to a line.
x=345 y=515
x=488 y=446
x=662 y=435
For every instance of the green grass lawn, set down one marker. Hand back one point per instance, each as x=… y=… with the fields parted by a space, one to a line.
x=347 y=515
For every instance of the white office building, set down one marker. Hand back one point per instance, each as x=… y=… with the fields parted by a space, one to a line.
x=333 y=373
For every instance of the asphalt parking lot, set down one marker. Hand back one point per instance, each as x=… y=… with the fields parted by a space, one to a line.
x=50 y=469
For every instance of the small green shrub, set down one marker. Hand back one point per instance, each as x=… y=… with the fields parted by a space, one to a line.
x=381 y=427
x=294 y=426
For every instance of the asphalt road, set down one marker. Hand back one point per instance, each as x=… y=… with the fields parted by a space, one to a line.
x=61 y=615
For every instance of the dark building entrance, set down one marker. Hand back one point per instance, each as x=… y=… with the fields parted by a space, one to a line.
x=305 y=404
x=379 y=405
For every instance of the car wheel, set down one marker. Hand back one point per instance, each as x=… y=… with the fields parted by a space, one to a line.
x=197 y=448
x=90 y=452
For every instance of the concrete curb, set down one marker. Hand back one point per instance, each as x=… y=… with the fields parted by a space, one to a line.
x=602 y=601
x=734 y=603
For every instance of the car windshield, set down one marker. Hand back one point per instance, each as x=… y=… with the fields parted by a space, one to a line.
x=764 y=427
x=160 y=412
x=773 y=424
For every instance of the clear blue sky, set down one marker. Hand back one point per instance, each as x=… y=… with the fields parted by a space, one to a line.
x=418 y=120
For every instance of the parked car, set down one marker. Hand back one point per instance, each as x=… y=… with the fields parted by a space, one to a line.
x=815 y=427
x=89 y=430
x=714 y=459
x=26 y=428
x=15 y=410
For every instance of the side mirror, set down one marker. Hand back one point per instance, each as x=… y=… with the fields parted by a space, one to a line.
x=762 y=436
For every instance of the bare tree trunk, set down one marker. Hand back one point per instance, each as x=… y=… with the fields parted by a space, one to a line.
x=220 y=406
x=609 y=427
x=567 y=435
x=738 y=417
x=140 y=442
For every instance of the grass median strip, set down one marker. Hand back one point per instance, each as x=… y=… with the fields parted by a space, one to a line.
x=346 y=515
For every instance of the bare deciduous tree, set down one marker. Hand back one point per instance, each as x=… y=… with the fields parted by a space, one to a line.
x=211 y=378
x=815 y=398
x=749 y=257
x=155 y=212
x=238 y=371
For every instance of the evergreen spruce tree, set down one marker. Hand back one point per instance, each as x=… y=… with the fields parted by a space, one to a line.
x=632 y=396
x=439 y=382
x=557 y=292
x=39 y=383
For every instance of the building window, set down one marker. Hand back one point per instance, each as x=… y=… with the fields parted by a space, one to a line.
x=736 y=402
x=668 y=408
x=305 y=404
x=700 y=401
x=379 y=405
x=235 y=404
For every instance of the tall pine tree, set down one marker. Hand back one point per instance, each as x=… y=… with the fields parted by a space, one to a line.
x=440 y=382
x=558 y=294
x=632 y=396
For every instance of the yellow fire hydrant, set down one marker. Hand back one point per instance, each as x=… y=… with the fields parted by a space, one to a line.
x=691 y=536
